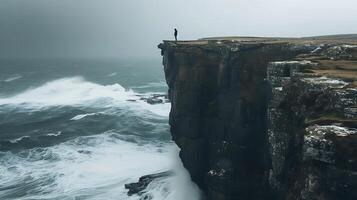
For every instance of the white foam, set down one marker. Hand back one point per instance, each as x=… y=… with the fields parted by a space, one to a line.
x=68 y=91
x=112 y=74
x=13 y=77
x=78 y=117
x=76 y=91
x=178 y=187
x=18 y=139
x=97 y=167
x=55 y=134
x=149 y=85
x=161 y=109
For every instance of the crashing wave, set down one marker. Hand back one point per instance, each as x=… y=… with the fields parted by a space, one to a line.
x=63 y=171
x=76 y=91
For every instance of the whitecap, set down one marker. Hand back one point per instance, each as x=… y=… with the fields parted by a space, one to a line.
x=78 y=117
x=18 y=139
x=68 y=91
x=55 y=134
x=13 y=77
x=76 y=91
x=112 y=74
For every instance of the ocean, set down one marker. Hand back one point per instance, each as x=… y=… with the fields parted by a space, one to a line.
x=81 y=129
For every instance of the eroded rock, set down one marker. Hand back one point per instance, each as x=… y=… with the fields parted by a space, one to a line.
x=139 y=187
x=264 y=118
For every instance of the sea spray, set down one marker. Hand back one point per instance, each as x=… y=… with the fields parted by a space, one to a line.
x=79 y=133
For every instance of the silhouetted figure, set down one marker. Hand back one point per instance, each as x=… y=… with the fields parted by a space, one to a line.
x=175 y=34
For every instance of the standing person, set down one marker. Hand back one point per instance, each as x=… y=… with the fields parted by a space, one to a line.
x=175 y=34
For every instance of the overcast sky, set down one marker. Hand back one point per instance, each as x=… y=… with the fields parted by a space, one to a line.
x=133 y=28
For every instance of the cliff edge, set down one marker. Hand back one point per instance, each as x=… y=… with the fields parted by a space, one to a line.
x=266 y=118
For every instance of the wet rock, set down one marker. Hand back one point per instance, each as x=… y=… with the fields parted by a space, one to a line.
x=139 y=187
x=156 y=99
x=153 y=101
x=131 y=100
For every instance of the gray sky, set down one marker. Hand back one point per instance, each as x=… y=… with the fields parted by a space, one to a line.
x=133 y=28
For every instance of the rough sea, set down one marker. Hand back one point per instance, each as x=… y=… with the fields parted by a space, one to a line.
x=79 y=129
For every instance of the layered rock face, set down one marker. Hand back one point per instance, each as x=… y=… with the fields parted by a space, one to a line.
x=255 y=118
x=312 y=134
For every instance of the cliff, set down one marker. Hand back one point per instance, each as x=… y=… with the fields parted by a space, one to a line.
x=265 y=118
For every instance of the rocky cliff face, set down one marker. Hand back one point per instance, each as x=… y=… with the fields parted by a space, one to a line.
x=265 y=118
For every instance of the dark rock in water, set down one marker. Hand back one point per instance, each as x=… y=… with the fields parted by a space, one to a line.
x=265 y=118
x=84 y=152
x=154 y=100
x=131 y=100
x=139 y=187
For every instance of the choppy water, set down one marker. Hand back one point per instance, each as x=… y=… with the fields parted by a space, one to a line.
x=68 y=131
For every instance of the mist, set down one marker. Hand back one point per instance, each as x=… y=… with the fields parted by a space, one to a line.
x=133 y=28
